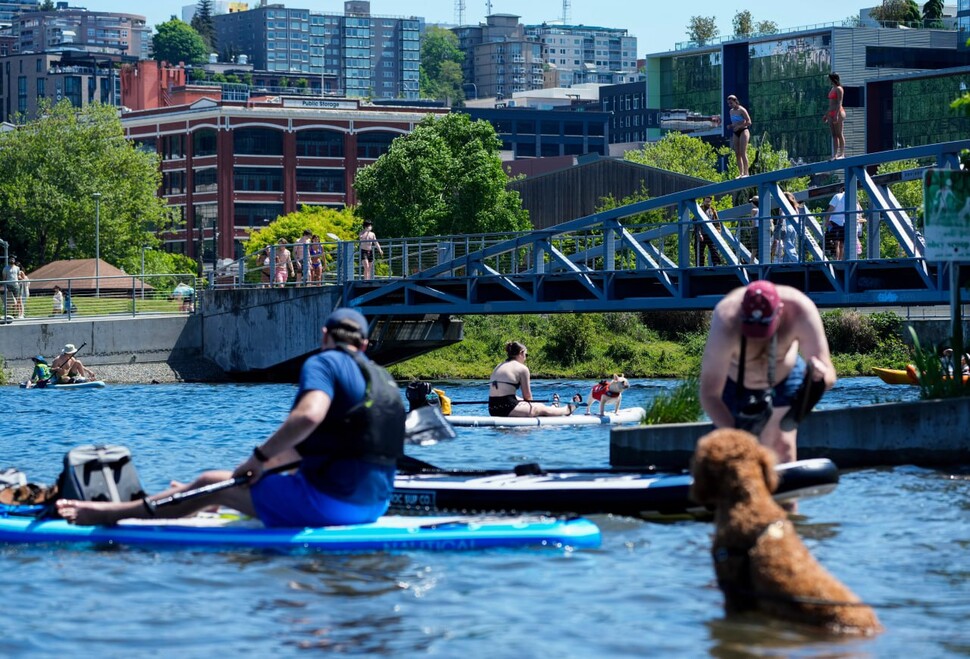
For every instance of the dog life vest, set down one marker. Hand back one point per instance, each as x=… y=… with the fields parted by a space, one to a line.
x=602 y=390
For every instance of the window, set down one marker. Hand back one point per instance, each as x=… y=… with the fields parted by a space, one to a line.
x=173 y=147
x=204 y=180
x=173 y=183
x=257 y=179
x=257 y=142
x=204 y=142
x=320 y=180
x=374 y=144
x=320 y=144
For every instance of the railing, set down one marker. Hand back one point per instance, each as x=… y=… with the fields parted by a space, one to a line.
x=84 y=297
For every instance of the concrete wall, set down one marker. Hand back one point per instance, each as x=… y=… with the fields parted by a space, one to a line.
x=930 y=433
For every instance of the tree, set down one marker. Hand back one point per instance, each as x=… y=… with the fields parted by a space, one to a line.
x=897 y=12
x=175 y=41
x=680 y=153
x=702 y=29
x=46 y=5
x=445 y=177
x=51 y=167
x=203 y=23
x=318 y=219
x=743 y=24
x=933 y=13
x=766 y=27
x=441 y=59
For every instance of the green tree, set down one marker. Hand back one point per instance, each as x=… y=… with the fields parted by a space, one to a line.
x=46 y=5
x=441 y=59
x=743 y=24
x=933 y=13
x=175 y=41
x=702 y=29
x=203 y=23
x=766 y=27
x=445 y=177
x=318 y=219
x=897 y=12
x=681 y=153
x=51 y=167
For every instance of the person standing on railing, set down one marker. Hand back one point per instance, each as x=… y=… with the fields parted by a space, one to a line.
x=741 y=135
x=368 y=243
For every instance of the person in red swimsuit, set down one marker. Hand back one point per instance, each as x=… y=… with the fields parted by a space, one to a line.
x=835 y=117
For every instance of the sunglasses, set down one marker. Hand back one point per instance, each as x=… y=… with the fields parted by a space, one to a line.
x=764 y=320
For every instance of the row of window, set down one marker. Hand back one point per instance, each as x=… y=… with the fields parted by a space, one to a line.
x=267 y=142
x=256 y=179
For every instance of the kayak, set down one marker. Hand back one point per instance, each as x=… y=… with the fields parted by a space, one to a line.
x=642 y=493
x=89 y=384
x=627 y=416
x=232 y=531
x=893 y=375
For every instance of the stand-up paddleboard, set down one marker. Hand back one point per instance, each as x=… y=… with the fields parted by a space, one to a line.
x=627 y=416
x=88 y=384
x=639 y=493
x=389 y=533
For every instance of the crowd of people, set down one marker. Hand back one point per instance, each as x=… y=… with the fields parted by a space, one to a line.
x=306 y=264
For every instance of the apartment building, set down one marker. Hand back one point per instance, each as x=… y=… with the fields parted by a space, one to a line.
x=92 y=31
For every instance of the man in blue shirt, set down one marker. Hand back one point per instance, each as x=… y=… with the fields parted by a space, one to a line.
x=347 y=450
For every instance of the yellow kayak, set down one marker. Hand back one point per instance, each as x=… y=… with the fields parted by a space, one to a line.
x=893 y=376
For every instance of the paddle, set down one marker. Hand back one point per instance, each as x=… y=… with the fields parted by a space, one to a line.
x=805 y=398
x=420 y=425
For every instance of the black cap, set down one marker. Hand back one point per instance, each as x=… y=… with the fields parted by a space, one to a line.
x=347 y=318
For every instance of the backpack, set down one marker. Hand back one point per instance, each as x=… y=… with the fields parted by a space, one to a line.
x=417 y=394
x=102 y=472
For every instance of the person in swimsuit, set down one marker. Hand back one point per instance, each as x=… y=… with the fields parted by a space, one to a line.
x=835 y=117
x=765 y=339
x=318 y=260
x=368 y=243
x=284 y=263
x=511 y=375
x=741 y=135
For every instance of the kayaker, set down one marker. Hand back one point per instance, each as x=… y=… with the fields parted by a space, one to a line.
x=67 y=368
x=42 y=372
x=764 y=340
x=512 y=375
x=348 y=432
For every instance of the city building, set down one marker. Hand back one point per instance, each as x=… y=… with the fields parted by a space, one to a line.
x=79 y=76
x=782 y=79
x=92 y=31
x=963 y=23
x=219 y=7
x=352 y=55
x=230 y=167
x=530 y=133
x=11 y=9
x=583 y=54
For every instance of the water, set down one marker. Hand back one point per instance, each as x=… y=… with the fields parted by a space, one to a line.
x=899 y=537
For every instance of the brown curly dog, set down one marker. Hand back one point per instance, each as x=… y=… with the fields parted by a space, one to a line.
x=760 y=562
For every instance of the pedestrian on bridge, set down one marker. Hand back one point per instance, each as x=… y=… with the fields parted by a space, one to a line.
x=368 y=243
x=741 y=135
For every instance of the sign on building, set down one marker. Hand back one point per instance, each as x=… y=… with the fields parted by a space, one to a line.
x=946 y=214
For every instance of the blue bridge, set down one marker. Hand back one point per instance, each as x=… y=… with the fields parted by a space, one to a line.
x=639 y=257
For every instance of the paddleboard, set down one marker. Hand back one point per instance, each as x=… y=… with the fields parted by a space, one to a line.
x=629 y=415
x=389 y=533
x=90 y=384
x=639 y=493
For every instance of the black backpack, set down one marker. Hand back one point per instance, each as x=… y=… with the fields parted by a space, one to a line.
x=417 y=394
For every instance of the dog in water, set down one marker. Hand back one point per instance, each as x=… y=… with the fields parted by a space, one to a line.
x=607 y=392
x=760 y=562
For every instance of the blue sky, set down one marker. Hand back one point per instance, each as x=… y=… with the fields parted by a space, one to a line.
x=657 y=25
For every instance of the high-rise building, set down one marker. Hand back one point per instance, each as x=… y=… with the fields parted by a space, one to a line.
x=581 y=53
x=11 y=9
x=963 y=23
x=79 y=29
x=354 y=54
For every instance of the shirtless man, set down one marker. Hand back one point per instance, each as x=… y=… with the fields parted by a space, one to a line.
x=751 y=319
x=511 y=375
x=68 y=368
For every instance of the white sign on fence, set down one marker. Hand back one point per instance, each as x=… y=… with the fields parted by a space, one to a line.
x=946 y=214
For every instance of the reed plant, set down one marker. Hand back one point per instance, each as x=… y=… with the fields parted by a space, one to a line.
x=682 y=404
x=934 y=382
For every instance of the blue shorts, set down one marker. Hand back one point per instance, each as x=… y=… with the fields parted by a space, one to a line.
x=288 y=500
x=784 y=391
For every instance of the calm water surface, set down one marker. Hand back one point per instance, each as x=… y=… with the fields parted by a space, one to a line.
x=899 y=537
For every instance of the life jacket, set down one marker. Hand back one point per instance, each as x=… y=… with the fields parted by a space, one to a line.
x=42 y=372
x=603 y=389
x=373 y=429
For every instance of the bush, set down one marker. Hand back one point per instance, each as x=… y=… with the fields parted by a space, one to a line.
x=570 y=340
x=672 y=325
x=680 y=405
x=849 y=332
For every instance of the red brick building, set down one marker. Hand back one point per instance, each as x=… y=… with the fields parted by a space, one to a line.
x=230 y=167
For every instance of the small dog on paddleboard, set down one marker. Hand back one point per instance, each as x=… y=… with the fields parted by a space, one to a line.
x=607 y=392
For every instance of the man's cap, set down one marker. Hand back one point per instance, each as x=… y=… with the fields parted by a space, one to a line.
x=346 y=318
x=307 y=232
x=760 y=310
x=39 y=359
x=68 y=349
x=368 y=223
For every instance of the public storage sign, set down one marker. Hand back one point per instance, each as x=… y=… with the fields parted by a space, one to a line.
x=946 y=210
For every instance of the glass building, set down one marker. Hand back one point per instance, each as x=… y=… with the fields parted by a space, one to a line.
x=782 y=80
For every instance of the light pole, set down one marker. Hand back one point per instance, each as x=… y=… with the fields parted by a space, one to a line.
x=97 y=244
x=143 y=248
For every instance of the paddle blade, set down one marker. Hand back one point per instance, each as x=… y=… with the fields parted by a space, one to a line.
x=427 y=425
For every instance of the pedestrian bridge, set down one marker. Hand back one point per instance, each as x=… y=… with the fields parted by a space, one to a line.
x=643 y=256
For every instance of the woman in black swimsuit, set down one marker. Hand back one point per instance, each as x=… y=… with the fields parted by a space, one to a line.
x=507 y=378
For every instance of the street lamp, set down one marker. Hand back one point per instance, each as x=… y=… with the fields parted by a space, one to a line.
x=143 y=248
x=97 y=244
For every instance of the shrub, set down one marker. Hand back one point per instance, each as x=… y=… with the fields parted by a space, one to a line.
x=672 y=325
x=570 y=340
x=681 y=405
x=849 y=332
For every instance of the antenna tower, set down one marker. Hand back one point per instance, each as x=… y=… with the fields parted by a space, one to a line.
x=488 y=7
x=566 y=4
x=460 y=12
